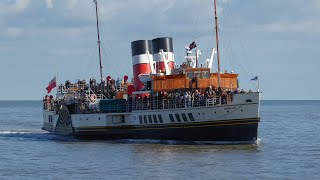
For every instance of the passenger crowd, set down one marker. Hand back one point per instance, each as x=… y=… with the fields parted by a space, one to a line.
x=108 y=88
x=81 y=92
x=163 y=100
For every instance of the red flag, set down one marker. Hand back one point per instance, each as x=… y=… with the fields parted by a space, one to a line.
x=52 y=84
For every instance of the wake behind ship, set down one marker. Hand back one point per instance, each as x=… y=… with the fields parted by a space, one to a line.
x=163 y=101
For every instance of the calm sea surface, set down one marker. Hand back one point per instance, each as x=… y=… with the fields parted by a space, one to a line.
x=289 y=148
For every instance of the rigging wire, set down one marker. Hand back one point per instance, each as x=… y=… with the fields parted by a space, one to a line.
x=90 y=53
x=108 y=58
x=198 y=35
x=236 y=34
x=196 y=21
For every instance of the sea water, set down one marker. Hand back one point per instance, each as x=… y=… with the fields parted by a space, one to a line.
x=288 y=148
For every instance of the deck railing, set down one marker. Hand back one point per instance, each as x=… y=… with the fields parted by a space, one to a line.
x=79 y=93
x=143 y=105
x=73 y=88
x=176 y=103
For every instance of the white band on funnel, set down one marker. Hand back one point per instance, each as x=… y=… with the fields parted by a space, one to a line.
x=141 y=59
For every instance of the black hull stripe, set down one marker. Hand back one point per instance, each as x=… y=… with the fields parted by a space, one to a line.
x=235 y=132
x=155 y=128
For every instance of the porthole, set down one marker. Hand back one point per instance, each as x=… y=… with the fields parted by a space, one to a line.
x=150 y=119
x=191 y=117
x=248 y=101
x=160 y=118
x=171 y=117
x=155 y=118
x=145 y=119
x=178 y=117
x=184 y=117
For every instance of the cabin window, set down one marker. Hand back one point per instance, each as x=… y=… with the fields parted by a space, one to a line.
x=150 y=119
x=197 y=74
x=160 y=118
x=171 y=117
x=190 y=75
x=184 y=117
x=140 y=119
x=191 y=116
x=205 y=74
x=178 y=117
x=155 y=119
x=248 y=100
x=145 y=119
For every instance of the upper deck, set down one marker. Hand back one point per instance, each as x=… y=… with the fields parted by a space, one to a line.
x=194 y=78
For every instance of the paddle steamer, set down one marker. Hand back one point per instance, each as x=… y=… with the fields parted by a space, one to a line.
x=188 y=102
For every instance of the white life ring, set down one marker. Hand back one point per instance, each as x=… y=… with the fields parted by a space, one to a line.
x=93 y=98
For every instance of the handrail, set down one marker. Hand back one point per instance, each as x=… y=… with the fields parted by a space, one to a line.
x=64 y=89
x=149 y=104
x=177 y=103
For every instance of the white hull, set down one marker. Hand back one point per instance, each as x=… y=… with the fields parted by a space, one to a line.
x=244 y=110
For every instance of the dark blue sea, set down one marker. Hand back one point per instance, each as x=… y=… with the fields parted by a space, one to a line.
x=288 y=148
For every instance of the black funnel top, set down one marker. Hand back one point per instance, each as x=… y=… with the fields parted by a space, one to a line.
x=164 y=43
x=140 y=47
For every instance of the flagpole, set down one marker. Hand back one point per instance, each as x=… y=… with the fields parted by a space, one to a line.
x=57 y=85
x=258 y=83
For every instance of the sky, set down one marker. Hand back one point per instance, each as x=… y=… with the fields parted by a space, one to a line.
x=279 y=40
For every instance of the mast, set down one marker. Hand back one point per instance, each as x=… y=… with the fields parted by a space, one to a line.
x=99 y=42
x=217 y=41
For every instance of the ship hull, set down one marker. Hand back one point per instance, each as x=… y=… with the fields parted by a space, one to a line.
x=219 y=123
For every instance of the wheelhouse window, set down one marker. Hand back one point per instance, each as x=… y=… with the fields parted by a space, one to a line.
x=197 y=74
x=140 y=119
x=190 y=75
x=205 y=74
